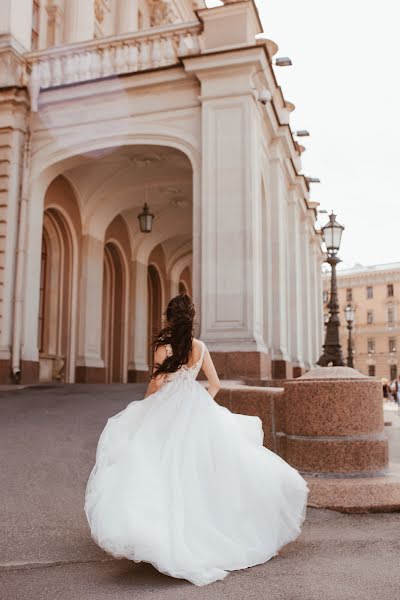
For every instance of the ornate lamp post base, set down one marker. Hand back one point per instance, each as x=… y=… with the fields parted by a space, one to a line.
x=332 y=354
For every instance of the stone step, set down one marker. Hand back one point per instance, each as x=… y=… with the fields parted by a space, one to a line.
x=357 y=494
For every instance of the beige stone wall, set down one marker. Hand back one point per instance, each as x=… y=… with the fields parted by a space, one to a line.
x=381 y=357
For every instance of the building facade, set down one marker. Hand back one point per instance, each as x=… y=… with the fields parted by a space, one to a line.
x=374 y=293
x=106 y=105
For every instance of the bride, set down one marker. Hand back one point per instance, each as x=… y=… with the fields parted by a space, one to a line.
x=184 y=484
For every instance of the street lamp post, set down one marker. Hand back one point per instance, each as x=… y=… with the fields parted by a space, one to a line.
x=349 y=314
x=332 y=353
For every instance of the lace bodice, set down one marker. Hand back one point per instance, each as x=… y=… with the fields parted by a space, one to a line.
x=186 y=373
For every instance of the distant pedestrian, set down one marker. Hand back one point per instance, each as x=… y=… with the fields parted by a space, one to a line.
x=385 y=388
x=397 y=390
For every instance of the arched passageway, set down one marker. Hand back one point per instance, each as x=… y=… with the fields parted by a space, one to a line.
x=59 y=273
x=185 y=282
x=104 y=283
x=54 y=323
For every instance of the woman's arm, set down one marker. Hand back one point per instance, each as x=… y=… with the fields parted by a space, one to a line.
x=210 y=372
x=156 y=383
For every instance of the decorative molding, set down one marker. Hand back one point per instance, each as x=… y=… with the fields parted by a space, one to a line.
x=162 y=12
x=101 y=58
x=12 y=69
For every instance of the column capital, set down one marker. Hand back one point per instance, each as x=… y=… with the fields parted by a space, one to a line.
x=227 y=73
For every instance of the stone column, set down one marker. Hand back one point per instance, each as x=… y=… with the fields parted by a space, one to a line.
x=90 y=366
x=318 y=317
x=31 y=291
x=79 y=20
x=54 y=24
x=14 y=105
x=279 y=325
x=295 y=284
x=127 y=16
x=305 y=273
x=320 y=300
x=139 y=368
x=266 y=258
x=16 y=22
x=313 y=302
x=231 y=273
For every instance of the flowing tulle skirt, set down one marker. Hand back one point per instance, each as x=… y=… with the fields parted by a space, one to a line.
x=184 y=484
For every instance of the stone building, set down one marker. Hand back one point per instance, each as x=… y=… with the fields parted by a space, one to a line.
x=374 y=293
x=106 y=105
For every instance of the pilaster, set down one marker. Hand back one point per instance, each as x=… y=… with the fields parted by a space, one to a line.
x=90 y=365
x=79 y=19
x=127 y=16
x=279 y=266
x=14 y=106
x=295 y=281
x=231 y=267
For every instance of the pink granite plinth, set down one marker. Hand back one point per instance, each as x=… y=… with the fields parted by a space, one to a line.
x=357 y=494
x=346 y=456
x=332 y=423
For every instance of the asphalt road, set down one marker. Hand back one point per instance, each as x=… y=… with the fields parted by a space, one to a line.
x=48 y=438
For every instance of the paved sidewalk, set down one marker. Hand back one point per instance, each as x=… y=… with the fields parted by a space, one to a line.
x=48 y=437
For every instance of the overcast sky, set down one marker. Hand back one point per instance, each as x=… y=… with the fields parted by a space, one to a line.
x=345 y=83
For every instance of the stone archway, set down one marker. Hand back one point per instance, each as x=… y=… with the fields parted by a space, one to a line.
x=185 y=282
x=56 y=351
x=56 y=327
x=110 y=186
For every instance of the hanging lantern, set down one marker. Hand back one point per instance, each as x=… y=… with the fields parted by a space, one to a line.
x=332 y=234
x=146 y=219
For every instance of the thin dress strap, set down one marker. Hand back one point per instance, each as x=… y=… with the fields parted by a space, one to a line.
x=203 y=351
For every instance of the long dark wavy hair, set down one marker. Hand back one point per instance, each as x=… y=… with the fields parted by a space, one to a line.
x=178 y=332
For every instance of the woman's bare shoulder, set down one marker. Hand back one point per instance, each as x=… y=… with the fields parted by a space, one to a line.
x=197 y=343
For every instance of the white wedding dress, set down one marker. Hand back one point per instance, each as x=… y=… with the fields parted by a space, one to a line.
x=184 y=484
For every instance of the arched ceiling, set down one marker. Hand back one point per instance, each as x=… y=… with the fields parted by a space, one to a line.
x=119 y=181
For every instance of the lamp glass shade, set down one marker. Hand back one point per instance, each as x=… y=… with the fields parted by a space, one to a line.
x=332 y=233
x=349 y=313
x=146 y=219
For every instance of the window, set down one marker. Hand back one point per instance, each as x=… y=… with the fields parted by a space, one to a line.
x=392 y=344
x=325 y=296
x=371 y=370
x=393 y=372
x=370 y=317
x=391 y=315
x=349 y=295
x=371 y=346
x=390 y=290
x=370 y=292
x=35 y=24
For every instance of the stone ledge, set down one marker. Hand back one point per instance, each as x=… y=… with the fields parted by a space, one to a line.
x=357 y=494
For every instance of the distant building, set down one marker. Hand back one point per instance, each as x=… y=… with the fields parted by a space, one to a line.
x=374 y=293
